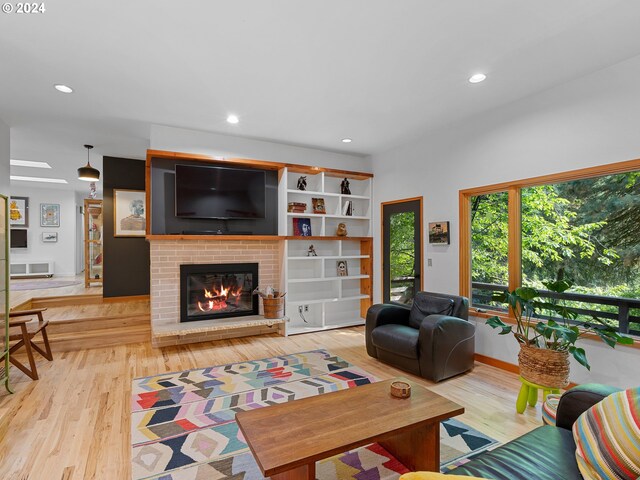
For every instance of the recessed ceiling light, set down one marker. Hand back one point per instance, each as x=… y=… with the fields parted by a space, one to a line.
x=37 y=179
x=233 y=119
x=28 y=163
x=346 y=140
x=63 y=88
x=477 y=78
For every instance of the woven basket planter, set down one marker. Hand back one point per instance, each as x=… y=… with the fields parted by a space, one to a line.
x=544 y=367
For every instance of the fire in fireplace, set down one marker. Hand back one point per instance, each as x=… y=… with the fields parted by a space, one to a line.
x=218 y=291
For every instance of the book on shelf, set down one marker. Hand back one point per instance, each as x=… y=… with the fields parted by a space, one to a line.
x=347 y=208
x=296 y=207
x=302 y=227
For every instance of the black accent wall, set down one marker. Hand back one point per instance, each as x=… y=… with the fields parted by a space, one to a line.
x=164 y=220
x=126 y=260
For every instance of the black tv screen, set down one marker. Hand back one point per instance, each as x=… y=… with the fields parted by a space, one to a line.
x=18 y=238
x=219 y=192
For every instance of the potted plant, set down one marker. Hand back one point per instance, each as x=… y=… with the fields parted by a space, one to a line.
x=545 y=344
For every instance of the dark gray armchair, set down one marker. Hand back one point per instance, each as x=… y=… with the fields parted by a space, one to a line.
x=432 y=338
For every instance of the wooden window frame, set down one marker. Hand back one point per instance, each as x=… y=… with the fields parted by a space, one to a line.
x=513 y=188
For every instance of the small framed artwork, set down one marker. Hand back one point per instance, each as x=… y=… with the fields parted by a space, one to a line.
x=49 y=215
x=302 y=227
x=129 y=211
x=439 y=233
x=342 y=268
x=318 y=205
x=49 y=237
x=19 y=212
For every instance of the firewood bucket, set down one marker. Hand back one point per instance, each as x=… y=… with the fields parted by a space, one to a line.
x=273 y=307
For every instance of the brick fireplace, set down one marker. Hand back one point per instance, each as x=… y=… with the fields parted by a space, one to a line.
x=167 y=256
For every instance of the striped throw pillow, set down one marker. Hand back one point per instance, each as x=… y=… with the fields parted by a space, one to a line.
x=550 y=409
x=607 y=438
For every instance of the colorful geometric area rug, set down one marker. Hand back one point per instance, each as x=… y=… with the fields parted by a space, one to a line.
x=183 y=424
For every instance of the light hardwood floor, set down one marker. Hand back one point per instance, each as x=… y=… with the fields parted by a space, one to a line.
x=19 y=296
x=74 y=423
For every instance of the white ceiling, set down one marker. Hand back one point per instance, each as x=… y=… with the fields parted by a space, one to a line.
x=304 y=72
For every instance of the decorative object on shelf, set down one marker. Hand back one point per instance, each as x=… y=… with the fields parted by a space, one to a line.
x=302 y=227
x=344 y=187
x=129 y=213
x=19 y=212
x=311 y=252
x=93 y=222
x=318 y=205
x=49 y=237
x=92 y=190
x=296 y=207
x=400 y=389
x=302 y=183
x=341 y=231
x=545 y=343
x=342 y=269
x=88 y=173
x=439 y=233
x=347 y=208
x=49 y=215
x=272 y=301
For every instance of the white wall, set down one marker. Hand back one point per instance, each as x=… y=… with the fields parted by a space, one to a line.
x=214 y=144
x=590 y=121
x=4 y=158
x=63 y=252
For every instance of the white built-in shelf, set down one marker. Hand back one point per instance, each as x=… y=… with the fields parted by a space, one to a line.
x=317 y=194
x=327 y=194
x=328 y=300
x=330 y=257
x=327 y=215
x=326 y=279
x=334 y=323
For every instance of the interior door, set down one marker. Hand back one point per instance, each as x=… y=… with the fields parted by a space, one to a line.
x=401 y=250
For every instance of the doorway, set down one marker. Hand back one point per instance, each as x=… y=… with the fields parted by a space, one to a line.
x=402 y=250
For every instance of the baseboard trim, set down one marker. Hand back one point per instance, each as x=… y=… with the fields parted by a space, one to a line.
x=494 y=362
x=506 y=366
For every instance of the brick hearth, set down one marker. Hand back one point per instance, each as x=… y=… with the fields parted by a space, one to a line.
x=166 y=258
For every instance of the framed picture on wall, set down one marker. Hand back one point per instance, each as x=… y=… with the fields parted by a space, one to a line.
x=19 y=212
x=439 y=233
x=49 y=237
x=49 y=215
x=129 y=210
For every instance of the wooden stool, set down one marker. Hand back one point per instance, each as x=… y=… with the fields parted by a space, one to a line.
x=28 y=330
x=529 y=393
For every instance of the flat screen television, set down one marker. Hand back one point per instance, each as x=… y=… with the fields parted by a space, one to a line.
x=220 y=192
x=18 y=238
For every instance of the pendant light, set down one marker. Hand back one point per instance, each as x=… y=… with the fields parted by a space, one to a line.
x=88 y=173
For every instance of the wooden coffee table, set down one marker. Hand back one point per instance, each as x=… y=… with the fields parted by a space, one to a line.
x=287 y=439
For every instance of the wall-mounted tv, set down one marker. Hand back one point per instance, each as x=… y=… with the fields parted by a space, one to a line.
x=18 y=238
x=220 y=192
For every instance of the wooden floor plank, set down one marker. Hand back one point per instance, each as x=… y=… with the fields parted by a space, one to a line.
x=74 y=423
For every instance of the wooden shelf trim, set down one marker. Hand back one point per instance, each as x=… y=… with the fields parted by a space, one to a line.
x=252 y=238
x=294 y=237
x=265 y=164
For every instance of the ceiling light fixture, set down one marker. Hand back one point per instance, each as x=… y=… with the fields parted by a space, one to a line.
x=233 y=119
x=28 y=163
x=37 y=179
x=63 y=88
x=477 y=78
x=346 y=140
x=88 y=173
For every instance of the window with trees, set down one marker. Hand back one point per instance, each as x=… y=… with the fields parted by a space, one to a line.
x=582 y=227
